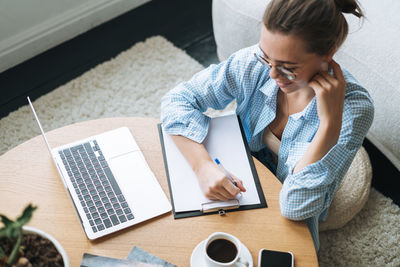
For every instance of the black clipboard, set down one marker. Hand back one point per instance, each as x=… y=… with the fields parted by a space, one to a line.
x=210 y=207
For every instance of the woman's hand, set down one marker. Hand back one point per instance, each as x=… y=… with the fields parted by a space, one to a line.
x=215 y=185
x=330 y=92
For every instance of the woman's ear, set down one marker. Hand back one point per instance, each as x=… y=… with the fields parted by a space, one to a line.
x=329 y=57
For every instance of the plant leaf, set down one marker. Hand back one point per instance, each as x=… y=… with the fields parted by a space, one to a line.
x=5 y=220
x=2 y=253
x=26 y=215
x=14 y=253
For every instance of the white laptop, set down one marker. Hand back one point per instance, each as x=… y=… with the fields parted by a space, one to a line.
x=109 y=181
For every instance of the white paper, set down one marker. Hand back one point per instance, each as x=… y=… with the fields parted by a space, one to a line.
x=224 y=141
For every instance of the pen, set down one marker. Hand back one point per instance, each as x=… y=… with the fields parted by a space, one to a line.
x=225 y=171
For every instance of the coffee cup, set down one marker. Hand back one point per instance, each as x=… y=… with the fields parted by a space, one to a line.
x=223 y=250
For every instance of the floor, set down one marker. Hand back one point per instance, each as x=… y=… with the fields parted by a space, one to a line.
x=187 y=24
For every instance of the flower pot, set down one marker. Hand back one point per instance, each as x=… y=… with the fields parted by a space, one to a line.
x=31 y=230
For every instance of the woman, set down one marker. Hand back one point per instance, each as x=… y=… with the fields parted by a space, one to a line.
x=303 y=117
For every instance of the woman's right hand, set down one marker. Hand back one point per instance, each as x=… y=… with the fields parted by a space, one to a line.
x=215 y=185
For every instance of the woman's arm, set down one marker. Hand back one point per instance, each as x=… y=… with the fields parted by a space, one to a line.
x=212 y=180
x=330 y=93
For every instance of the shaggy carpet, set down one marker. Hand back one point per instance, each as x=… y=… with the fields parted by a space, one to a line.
x=133 y=83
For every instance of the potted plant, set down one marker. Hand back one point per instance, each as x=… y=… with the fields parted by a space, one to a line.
x=26 y=246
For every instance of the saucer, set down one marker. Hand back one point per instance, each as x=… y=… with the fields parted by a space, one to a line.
x=197 y=258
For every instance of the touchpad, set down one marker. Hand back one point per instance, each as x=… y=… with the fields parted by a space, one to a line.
x=131 y=172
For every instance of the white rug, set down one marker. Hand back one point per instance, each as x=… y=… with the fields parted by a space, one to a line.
x=133 y=83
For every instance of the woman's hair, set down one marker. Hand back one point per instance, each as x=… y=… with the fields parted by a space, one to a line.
x=320 y=23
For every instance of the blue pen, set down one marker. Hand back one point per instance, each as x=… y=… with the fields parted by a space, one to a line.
x=225 y=171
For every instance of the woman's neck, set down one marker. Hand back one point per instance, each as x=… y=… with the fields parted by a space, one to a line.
x=298 y=100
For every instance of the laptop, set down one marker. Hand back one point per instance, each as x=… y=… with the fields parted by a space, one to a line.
x=108 y=181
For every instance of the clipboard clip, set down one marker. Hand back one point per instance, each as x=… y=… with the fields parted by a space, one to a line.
x=219 y=206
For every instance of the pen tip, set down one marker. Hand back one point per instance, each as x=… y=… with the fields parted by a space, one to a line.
x=216 y=161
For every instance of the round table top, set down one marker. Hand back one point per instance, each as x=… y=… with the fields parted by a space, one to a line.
x=28 y=175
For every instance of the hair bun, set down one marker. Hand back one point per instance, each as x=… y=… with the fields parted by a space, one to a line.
x=349 y=7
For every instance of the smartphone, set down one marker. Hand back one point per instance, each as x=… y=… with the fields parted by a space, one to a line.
x=272 y=258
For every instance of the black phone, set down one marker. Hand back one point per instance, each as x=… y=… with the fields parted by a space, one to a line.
x=272 y=258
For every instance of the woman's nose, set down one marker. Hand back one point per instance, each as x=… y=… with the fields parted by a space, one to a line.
x=274 y=73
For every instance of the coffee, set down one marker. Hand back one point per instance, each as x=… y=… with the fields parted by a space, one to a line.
x=222 y=250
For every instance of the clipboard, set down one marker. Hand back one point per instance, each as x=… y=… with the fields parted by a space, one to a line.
x=206 y=206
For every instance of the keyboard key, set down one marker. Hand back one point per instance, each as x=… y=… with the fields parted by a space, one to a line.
x=97 y=221
x=93 y=192
x=107 y=223
x=107 y=205
x=113 y=183
x=88 y=216
x=87 y=197
x=100 y=227
x=121 y=198
x=102 y=193
x=96 y=198
x=130 y=216
x=98 y=204
x=95 y=215
x=85 y=192
x=94 y=229
x=110 y=194
x=114 y=219
x=90 y=203
x=114 y=200
x=108 y=189
x=92 y=209
x=91 y=222
x=105 y=200
x=120 y=212
x=110 y=211
x=116 y=206
x=67 y=153
x=128 y=210
x=124 y=205
x=122 y=218
x=101 y=209
x=82 y=186
x=88 y=147
x=104 y=215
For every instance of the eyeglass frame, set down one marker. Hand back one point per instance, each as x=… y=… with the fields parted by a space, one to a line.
x=289 y=75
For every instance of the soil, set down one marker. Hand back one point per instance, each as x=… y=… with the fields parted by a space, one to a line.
x=37 y=249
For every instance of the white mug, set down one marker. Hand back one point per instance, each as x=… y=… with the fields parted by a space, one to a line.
x=223 y=250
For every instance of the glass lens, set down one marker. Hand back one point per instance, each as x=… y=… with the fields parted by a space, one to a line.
x=284 y=72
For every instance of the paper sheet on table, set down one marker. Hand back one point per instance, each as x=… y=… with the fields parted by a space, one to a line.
x=225 y=142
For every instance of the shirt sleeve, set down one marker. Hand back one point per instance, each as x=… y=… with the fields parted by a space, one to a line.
x=214 y=87
x=309 y=192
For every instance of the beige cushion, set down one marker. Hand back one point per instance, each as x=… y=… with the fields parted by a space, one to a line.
x=352 y=193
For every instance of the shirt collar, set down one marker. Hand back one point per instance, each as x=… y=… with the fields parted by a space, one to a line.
x=308 y=112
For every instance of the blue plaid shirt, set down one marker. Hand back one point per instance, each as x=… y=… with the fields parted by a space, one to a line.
x=306 y=194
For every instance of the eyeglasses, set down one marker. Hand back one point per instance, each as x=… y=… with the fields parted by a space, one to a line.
x=282 y=70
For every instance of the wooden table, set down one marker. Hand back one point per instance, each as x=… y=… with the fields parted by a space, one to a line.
x=27 y=174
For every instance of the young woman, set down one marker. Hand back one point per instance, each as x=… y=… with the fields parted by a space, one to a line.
x=303 y=116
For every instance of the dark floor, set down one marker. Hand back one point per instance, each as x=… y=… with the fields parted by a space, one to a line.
x=187 y=24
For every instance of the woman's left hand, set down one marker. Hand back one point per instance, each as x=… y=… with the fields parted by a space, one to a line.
x=330 y=92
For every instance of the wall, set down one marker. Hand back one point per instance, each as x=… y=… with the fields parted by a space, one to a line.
x=29 y=27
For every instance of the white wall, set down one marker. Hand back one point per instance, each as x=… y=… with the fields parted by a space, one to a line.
x=29 y=27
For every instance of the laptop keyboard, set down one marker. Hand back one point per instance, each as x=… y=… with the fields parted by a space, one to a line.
x=95 y=185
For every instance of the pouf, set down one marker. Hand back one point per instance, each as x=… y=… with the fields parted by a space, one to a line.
x=352 y=193
x=237 y=24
